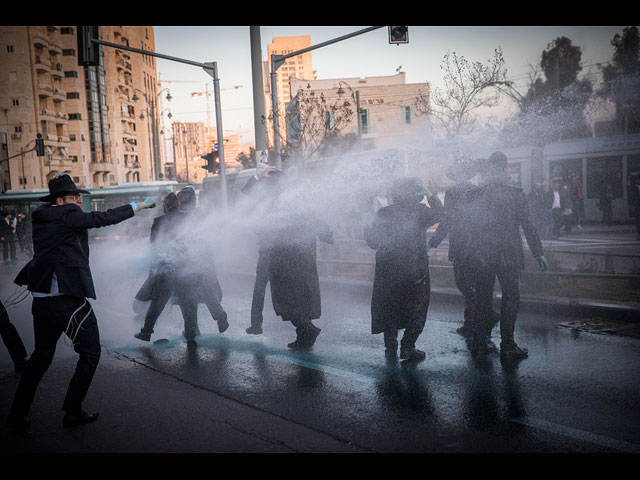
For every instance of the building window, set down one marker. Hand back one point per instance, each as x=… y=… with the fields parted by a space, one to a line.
x=22 y=180
x=364 y=121
x=71 y=74
x=329 y=120
x=76 y=179
x=72 y=95
x=74 y=158
x=66 y=31
x=601 y=172
x=74 y=116
x=15 y=102
x=69 y=53
x=406 y=115
x=72 y=138
x=9 y=48
x=17 y=129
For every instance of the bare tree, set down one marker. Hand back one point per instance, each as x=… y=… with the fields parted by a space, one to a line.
x=468 y=86
x=315 y=122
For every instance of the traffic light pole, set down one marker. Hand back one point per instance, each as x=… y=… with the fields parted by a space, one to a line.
x=210 y=68
x=276 y=62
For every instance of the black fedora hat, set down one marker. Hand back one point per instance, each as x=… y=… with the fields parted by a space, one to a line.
x=59 y=185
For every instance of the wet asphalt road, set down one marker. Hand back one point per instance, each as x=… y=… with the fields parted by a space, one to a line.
x=577 y=392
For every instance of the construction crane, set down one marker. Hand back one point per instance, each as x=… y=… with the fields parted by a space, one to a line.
x=207 y=94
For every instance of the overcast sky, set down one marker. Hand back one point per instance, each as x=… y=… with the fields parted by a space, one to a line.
x=369 y=54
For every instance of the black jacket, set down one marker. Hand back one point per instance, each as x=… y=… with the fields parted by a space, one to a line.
x=455 y=222
x=495 y=224
x=61 y=245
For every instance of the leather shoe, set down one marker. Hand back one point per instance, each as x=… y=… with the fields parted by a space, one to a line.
x=412 y=354
x=73 y=419
x=223 y=324
x=143 y=336
x=254 y=330
x=513 y=352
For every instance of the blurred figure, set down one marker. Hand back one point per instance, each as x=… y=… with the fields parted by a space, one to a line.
x=455 y=223
x=7 y=237
x=401 y=286
x=558 y=206
x=498 y=216
x=169 y=252
x=537 y=208
x=606 y=203
x=290 y=234
x=634 y=202
x=59 y=278
x=12 y=341
x=196 y=279
x=576 y=195
x=548 y=198
x=264 y=188
x=23 y=232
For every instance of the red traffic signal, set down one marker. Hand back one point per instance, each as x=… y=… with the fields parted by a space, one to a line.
x=213 y=161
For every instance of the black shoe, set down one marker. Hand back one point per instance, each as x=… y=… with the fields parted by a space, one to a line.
x=18 y=424
x=513 y=352
x=143 y=336
x=306 y=340
x=483 y=347
x=465 y=331
x=390 y=352
x=254 y=330
x=223 y=324
x=73 y=419
x=412 y=354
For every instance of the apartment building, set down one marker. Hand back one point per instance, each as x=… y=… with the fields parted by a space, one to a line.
x=94 y=128
x=388 y=112
x=299 y=67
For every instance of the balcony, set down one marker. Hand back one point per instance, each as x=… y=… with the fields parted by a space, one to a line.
x=42 y=65
x=55 y=49
x=45 y=90
x=59 y=95
x=47 y=114
x=57 y=71
x=40 y=39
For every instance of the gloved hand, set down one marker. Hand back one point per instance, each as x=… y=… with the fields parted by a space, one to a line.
x=149 y=203
x=543 y=263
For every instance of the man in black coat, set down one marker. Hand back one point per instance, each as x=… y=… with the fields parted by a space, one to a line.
x=497 y=252
x=290 y=241
x=401 y=287
x=458 y=205
x=60 y=281
x=12 y=340
x=7 y=237
x=165 y=240
x=263 y=188
x=196 y=280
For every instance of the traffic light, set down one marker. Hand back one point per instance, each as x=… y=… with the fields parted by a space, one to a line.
x=88 y=51
x=213 y=162
x=39 y=146
x=398 y=35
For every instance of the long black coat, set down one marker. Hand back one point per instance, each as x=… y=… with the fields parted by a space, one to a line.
x=61 y=245
x=167 y=245
x=401 y=284
x=496 y=220
x=290 y=243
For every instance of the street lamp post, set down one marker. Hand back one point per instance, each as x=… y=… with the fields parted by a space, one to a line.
x=356 y=96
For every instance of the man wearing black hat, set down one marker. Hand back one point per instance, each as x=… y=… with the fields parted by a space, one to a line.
x=60 y=281
x=497 y=252
x=401 y=286
x=458 y=203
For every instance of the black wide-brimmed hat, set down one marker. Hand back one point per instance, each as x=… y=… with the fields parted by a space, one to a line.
x=59 y=185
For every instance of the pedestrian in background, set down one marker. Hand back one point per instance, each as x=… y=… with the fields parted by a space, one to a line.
x=8 y=237
x=59 y=279
x=401 y=286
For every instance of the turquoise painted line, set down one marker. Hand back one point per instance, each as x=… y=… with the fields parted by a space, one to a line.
x=326 y=369
x=601 y=440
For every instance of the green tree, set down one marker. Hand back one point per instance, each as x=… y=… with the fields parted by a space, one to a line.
x=247 y=161
x=553 y=107
x=622 y=80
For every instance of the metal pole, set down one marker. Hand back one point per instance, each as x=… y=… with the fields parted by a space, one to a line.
x=24 y=180
x=262 y=142
x=276 y=120
x=358 y=115
x=220 y=135
x=184 y=142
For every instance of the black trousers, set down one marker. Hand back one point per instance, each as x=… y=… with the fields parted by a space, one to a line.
x=10 y=337
x=9 y=245
x=259 y=289
x=51 y=318
x=509 y=278
x=465 y=278
x=159 y=298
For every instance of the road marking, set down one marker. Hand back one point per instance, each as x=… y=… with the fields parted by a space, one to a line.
x=326 y=369
x=577 y=434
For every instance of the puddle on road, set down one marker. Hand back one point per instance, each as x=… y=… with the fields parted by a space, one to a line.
x=604 y=327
